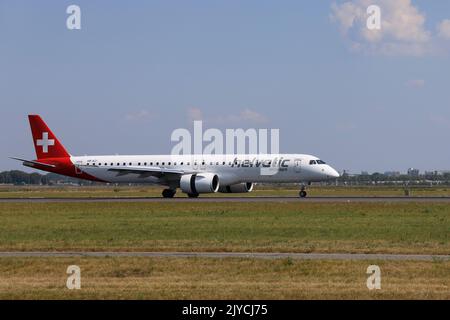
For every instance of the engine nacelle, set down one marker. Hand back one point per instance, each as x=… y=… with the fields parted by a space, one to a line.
x=199 y=183
x=237 y=188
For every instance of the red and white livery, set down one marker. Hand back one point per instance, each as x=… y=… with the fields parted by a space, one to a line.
x=193 y=174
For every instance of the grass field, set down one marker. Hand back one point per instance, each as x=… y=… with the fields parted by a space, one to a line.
x=414 y=228
x=266 y=227
x=259 y=191
x=192 y=278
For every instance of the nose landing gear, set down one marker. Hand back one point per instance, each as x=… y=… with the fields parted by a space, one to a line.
x=302 y=192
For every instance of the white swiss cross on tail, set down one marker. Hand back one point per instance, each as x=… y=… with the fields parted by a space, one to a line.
x=45 y=142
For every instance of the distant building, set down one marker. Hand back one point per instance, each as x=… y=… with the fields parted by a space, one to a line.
x=392 y=174
x=413 y=172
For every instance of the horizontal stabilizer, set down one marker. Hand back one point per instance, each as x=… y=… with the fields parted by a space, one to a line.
x=30 y=163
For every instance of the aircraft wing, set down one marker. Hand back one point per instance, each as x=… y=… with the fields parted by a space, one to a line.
x=145 y=172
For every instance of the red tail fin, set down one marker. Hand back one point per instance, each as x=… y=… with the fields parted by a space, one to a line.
x=45 y=142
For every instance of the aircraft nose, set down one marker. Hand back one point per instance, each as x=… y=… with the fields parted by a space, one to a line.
x=331 y=173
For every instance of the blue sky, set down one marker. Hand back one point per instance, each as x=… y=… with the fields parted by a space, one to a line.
x=138 y=70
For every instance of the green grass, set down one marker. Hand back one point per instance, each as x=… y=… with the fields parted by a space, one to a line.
x=266 y=227
x=192 y=278
x=150 y=191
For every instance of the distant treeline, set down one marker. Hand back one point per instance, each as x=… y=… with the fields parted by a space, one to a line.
x=18 y=177
x=380 y=178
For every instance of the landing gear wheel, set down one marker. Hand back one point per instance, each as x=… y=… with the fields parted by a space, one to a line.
x=168 y=193
x=303 y=193
x=193 y=195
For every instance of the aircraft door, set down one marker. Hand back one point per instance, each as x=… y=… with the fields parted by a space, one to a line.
x=77 y=169
x=194 y=164
x=297 y=165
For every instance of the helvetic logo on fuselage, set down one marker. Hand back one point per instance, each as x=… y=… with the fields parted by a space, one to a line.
x=281 y=163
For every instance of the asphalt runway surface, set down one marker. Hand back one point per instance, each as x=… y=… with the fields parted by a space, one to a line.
x=232 y=199
x=221 y=255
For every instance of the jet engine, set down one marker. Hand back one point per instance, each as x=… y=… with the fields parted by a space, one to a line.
x=237 y=188
x=199 y=183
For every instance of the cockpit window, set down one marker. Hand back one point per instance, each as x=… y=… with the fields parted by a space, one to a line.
x=311 y=162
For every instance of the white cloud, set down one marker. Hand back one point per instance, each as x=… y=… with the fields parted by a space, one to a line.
x=139 y=115
x=245 y=116
x=194 y=114
x=402 y=32
x=440 y=120
x=415 y=83
x=346 y=14
x=444 y=29
x=345 y=126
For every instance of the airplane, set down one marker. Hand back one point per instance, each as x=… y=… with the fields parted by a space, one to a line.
x=194 y=174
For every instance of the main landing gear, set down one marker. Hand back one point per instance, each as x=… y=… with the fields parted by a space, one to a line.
x=193 y=195
x=169 y=193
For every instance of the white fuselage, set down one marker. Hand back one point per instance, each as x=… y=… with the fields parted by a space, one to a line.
x=193 y=174
x=231 y=169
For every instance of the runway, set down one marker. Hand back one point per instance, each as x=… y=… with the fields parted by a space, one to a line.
x=231 y=199
x=222 y=255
